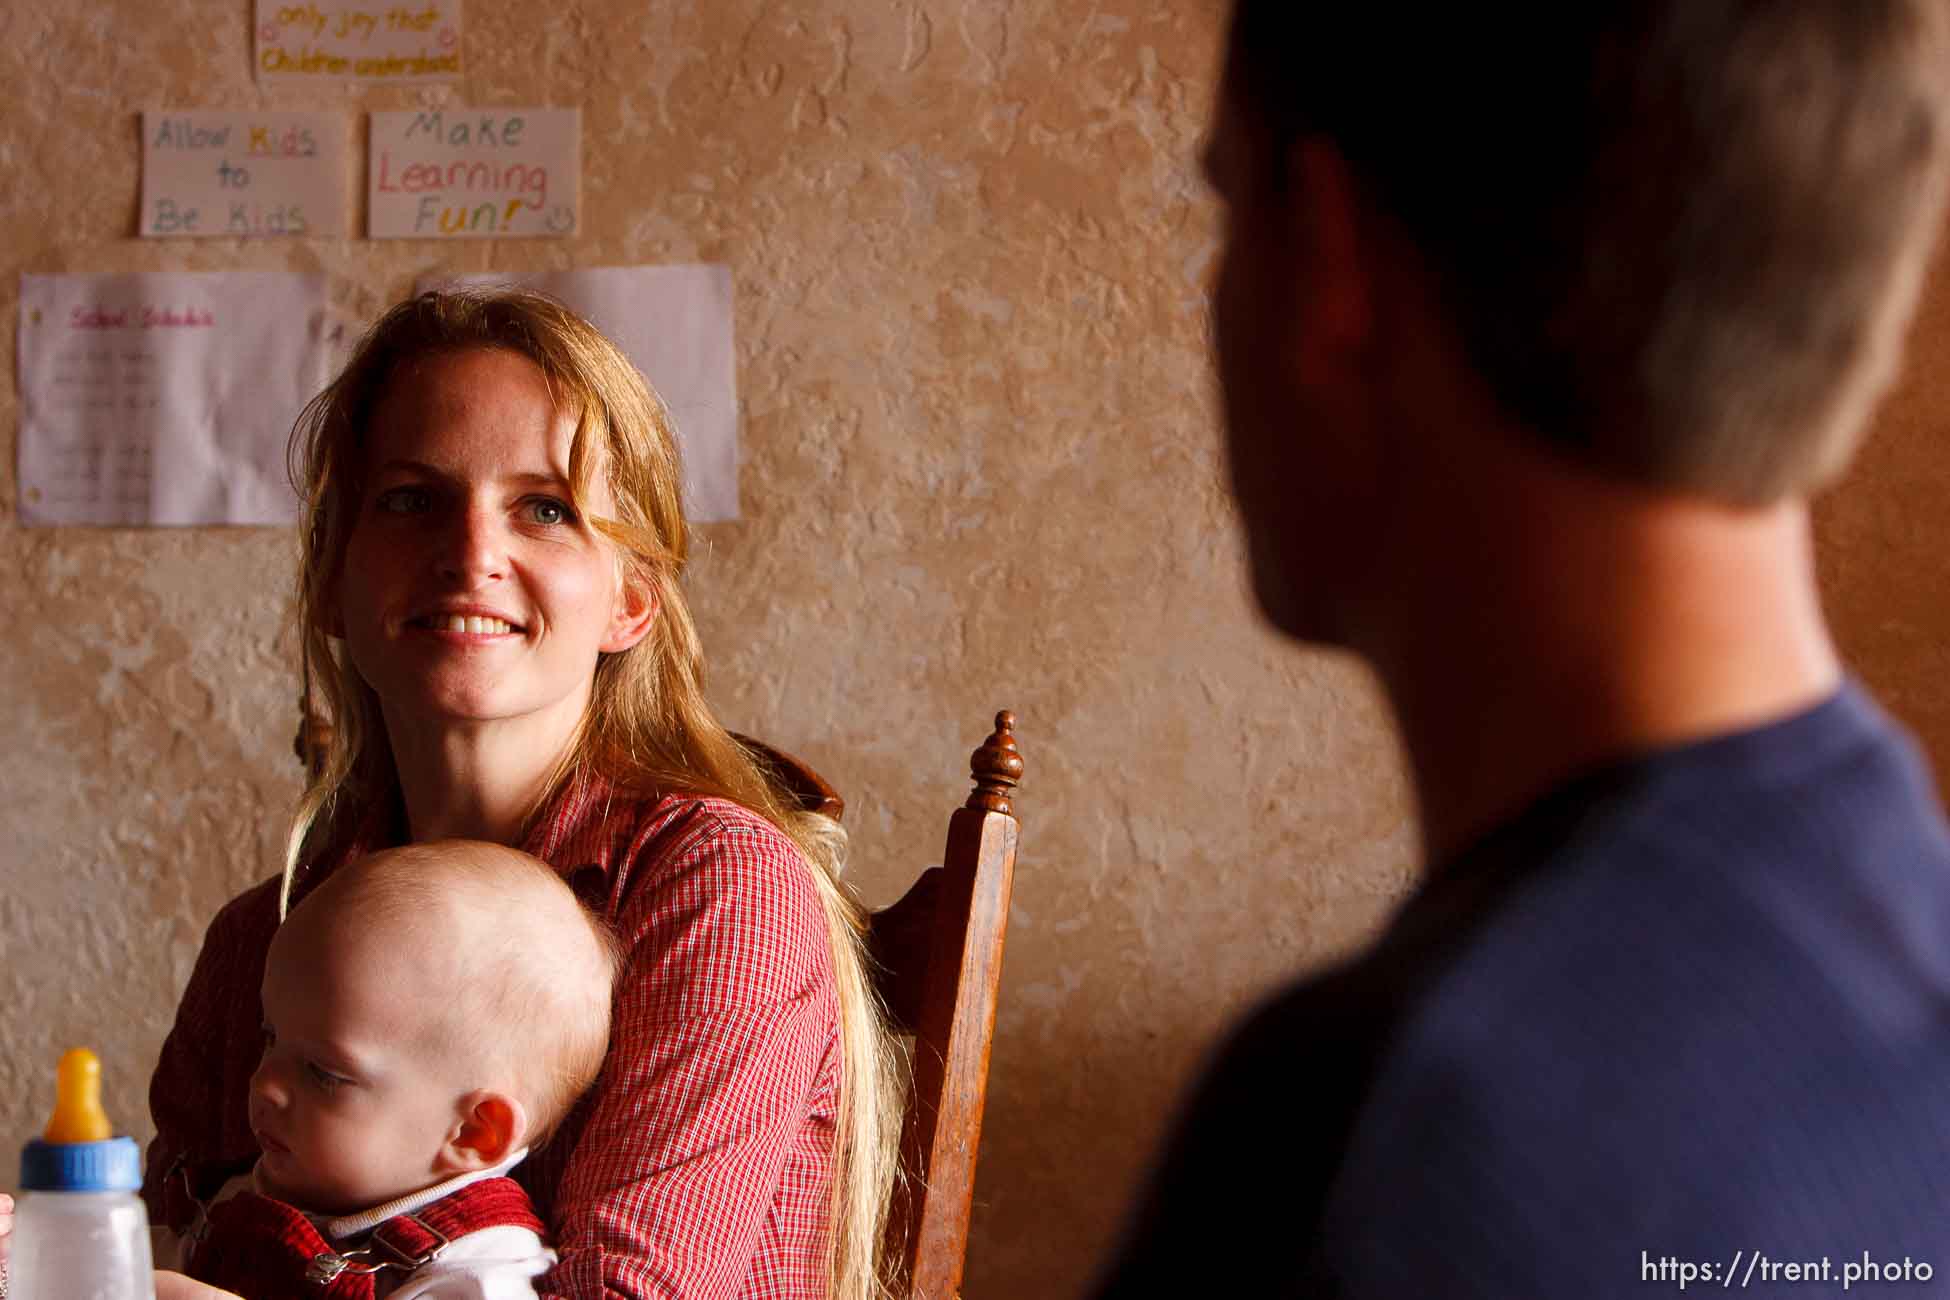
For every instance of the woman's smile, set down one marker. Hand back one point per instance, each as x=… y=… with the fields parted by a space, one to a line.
x=469 y=622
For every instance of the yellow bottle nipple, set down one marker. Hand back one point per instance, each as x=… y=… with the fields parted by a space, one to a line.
x=78 y=1114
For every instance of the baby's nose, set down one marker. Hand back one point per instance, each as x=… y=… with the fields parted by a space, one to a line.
x=267 y=1086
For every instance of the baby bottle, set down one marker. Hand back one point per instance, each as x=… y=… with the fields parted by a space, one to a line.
x=80 y=1233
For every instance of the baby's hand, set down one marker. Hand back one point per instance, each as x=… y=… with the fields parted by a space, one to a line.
x=6 y=1228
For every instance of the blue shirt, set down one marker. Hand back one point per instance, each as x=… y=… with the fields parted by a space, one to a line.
x=1684 y=1015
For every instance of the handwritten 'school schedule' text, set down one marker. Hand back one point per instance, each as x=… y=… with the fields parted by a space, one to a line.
x=165 y=398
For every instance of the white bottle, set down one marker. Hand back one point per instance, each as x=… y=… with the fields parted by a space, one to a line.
x=80 y=1232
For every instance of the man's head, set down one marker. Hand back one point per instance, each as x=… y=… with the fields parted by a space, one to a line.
x=1676 y=241
x=428 y=1011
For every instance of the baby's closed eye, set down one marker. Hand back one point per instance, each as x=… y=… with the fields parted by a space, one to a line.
x=323 y=1079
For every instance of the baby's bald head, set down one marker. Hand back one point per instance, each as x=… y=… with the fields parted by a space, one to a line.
x=498 y=965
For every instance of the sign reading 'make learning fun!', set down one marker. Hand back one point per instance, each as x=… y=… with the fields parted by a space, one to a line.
x=461 y=173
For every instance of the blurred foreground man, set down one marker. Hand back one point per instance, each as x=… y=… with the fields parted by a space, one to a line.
x=1536 y=333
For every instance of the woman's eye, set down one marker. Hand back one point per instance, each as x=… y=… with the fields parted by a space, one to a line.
x=404 y=500
x=548 y=510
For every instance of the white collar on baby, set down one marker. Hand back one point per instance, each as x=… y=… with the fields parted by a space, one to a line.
x=354 y=1225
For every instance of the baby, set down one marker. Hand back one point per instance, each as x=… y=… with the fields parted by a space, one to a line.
x=430 y=1012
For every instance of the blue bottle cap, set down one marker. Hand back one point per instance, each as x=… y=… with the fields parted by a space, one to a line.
x=111 y=1166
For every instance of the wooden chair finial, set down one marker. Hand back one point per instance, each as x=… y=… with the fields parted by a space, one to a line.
x=996 y=767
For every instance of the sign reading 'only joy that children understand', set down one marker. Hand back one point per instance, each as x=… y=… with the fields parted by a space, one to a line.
x=165 y=398
x=461 y=173
x=214 y=173
x=359 y=40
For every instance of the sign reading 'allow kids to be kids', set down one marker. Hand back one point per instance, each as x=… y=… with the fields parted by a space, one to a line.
x=358 y=40
x=225 y=174
x=474 y=173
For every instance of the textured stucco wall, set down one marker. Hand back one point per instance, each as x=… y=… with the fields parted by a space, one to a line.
x=980 y=469
x=1884 y=539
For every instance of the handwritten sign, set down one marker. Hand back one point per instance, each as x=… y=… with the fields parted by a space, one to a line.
x=211 y=173
x=471 y=173
x=165 y=398
x=674 y=324
x=351 y=40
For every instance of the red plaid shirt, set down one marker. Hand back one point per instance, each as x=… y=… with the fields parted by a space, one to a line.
x=699 y=1164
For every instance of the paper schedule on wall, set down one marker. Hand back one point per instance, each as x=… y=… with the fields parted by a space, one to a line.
x=164 y=398
x=674 y=324
x=358 y=40
x=226 y=173
x=459 y=173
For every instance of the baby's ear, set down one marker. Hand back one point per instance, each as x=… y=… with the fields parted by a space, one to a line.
x=491 y=1127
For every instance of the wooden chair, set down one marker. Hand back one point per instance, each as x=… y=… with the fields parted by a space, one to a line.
x=938 y=957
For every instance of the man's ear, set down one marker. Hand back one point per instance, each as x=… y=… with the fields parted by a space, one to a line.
x=491 y=1127
x=635 y=611
x=1336 y=306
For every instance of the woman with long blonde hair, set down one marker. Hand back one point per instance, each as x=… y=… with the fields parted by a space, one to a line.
x=492 y=620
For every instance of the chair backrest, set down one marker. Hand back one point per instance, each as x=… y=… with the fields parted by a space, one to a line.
x=938 y=957
x=804 y=784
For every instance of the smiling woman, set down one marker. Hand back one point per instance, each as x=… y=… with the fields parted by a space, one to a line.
x=490 y=609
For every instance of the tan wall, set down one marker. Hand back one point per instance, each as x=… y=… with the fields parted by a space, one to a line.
x=1884 y=539
x=980 y=470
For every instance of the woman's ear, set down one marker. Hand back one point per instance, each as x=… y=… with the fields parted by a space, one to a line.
x=635 y=611
x=331 y=611
x=492 y=1126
